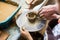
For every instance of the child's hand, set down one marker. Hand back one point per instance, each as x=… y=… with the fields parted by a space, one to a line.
x=34 y=3
x=25 y=34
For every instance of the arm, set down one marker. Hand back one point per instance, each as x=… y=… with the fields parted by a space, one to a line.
x=26 y=34
x=29 y=38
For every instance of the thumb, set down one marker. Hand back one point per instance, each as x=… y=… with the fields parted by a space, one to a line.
x=23 y=28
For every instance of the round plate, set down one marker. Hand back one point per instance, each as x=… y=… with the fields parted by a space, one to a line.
x=22 y=21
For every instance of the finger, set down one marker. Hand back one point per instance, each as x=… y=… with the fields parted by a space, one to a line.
x=41 y=15
x=40 y=10
x=22 y=31
x=47 y=12
x=44 y=11
x=34 y=1
x=54 y=15
x=31 y=2
x=23 y=28
x=51 y=17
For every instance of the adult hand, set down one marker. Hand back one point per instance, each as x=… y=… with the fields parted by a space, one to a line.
x=25 y=34
x=49 y=12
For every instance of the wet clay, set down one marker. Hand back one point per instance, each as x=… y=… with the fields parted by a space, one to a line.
x=6 y=10
x=31 y=17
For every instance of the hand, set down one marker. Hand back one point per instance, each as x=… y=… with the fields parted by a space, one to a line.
x=49 y=12
x=34 y=3
x=25 y=34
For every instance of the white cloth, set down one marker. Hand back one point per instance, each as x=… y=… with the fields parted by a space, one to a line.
x=56 y=31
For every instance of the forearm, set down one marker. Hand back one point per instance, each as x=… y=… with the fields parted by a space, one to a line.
x=30 y=38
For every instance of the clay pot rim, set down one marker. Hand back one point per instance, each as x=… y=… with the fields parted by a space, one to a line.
x=31 y=17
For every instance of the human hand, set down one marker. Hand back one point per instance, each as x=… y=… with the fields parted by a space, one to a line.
x=34 y=3
x=49 y=12
x=25 y=34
